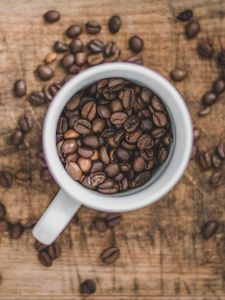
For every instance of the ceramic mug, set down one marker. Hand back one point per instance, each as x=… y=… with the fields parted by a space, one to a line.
x=72 y=194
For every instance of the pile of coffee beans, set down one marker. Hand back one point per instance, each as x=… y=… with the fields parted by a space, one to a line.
x=46 y=254
x=113 y=135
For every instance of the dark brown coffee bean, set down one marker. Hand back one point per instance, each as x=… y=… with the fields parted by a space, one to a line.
x=178 y=74
x=73 y=103
x=110 y=255
x=205 y=160
x=82 y=126
x=74 y=170
x=119 y=177
x=114 y=24
x=218 y=86
x=4 y=226
x=16 y=231
x=89 y=111
x=159 y=119
x=108 y=183
x=116 y=84
x=101 y=84
x=20 y=88
x=131 y=138
x=136 y=44
x=168 y=139
x=112 y=220
x=95 y=59
x=209 y=98
x=116 y=105
x=23 y=178
x=92 y=27
x=221 y=58
x=97 y=167
x=25 y=122
x=118 y=118
x=62 y=125
x=73 y=31
x=156 y=103
x=76 y=46
x=142 y=178
x=185 y=15
x=205 y=111
x=44 y=258
x=52 y=16
x=45 y=175
x=110 y=49
x=192 y=29
x=17 y=137
x=69 y=146
x=108 y=94
x=60 y=47
x=216 y=178
x=123 y=154
x=221 y=151
x=216 y=161
x=86 y=184
x=39 y=246
x=96 y=46
x=104 y=156
x=128 y=97
x=74 y=69
x=103 y=111
x=139 y=164
x=162 y=155
x=87 y=287
x=205 y=49
x=91 y=141
x=145 y=142
x=131 y=123
x=112 y=170
x=147 y=154
x=54 y=250
x=146 y=95
x=44 y=72
x=6 y=179
x=135 y=59
x=209 y=229
x=146 y=125
x=68 y=60
x=109 y=191
x=96 y=178
x=99 y=224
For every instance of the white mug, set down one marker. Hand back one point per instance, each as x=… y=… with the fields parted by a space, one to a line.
x=72 y=194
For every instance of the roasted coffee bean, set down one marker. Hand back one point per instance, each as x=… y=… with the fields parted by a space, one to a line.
x=45 y=175
x=87 y=287
x=205 y=49
x=221 y=151
x=216 y=178
x=128 y=97
x=4 y=226
x=51 y=90
x=76 y=46
x=135 y=59
x=139 y=164
x=74 y=69
x=116 y=84
x=110 y=255
x=146 y=95
x=17 y=137
x=39 y=246
x=81 y=58
x=69 y=146
x=221 y=58
x=71 y=157
x=89 y=111
x=118 y=118
x=20 y=88
x=142 y=178
x=73 y=31
x=131 y=138
x=44 y=72
x=91 y=141
x=98 y=125
x=85 y=152
x=168 y=139
x=6 y=179
x=209 y=98
x=2 y=211
x=123 y=154
x=23 y=178
x=100 y=224
x=95 y=46
x=147 y=154
x=104 y=156
x=116 y=105
x=70 y=134
x=112 y=220
x=110 y=49
x=45 y=258
x=60 y=47
x=159 y=119
x=74 y=170
x=85 y=164
x=146 y=125
x=82 y=126
x=145 y=142
x=136 y=44
x=68 y=60
x=185 y=15
x=62 y=125
x=52 y=16
x=131 y=123
x=92 y=27
x=112 y=170
x=192 y=29
x=205 y=160
x=216 y=161
x=95 y=59
x=101 y=84
x=108 y=183
x=97 y=167
x=16 y=231
x=205 y=111
x=178 y=74
x=162 y=155
x=25 y=122
x=156 y=103
x=103 y=111
x=37 y=98
x=209 y=229
x=54 y=250
x=109 y=191
x=108 y=94
x=218 y=86
x=96 y=178
x=114 y=24
x=73 y=103
x=86 y=184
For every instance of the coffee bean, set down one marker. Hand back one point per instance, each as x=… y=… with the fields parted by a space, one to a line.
x=85 y=164
x=128 y=98
x=104 y=156
x=50 y=57
x=60 y=47
x=131 y=123
x=110 y=255
x=116 y=84
x=145 y=142
x=69 y=146
x=136 y=44
x=91 y=141
x=25 y=122
x=98 y=125
x=135 y=59
x=101 y=84
x=218 y=86
x=216 y=178
x=209 y=98
x=178 y=74
x=16 y=231
x=73 y=31
x=89 y=111
x=160 y=119
x=70 y=134
x=96 y=178
x=44 y=258
x=221 y=151
x=142 y=178
x=139 y=164
x=123 y=155
x=108 y=183
x=131 y=138
x=168 y=139
x=192 y=29
x=37 y=98
x=6 y=179
x=205 y=49
x=95 y=46
x=4 y=226
x=76 y=46
x=162 y=155
x=20 y=88
x=82 y=126
x=110 y=49
x=156 y=103
x=17 y=137
x=146 y=125
x=216 y=161
x=109 y=191
x=118 y=118
x=97 y=167
x=62 y=125
x=112 y=220
x=80 y=58
x=147 y=154
x=74 y=170
x=95 y=59
x=114 y=24
x=209 y=229
x=71 y=157
x=54 y=250
x=68 y=60
x=44 y=72
x=52 y=16
x=205 y=111
x=2 y=211
x=221 y=58
x=23 y=178
x=87 y=287
x=112 y=170
x=100 y=224
x=185 y=15
x=92 y=27
x=39 y=246
x=205 y=160
x=45 y=175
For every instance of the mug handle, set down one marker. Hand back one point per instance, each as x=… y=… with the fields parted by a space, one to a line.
x=55 y=218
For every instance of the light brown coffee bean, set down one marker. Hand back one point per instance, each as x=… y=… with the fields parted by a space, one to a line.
x=69 y=146
x=85 y=164
x=74 y=170
x=89 y=111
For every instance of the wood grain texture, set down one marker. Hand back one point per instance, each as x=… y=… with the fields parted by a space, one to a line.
x=162 y=254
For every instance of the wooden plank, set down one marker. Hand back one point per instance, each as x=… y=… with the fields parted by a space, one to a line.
x=162 y=253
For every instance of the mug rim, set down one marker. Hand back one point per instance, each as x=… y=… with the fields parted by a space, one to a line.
x=75 y=189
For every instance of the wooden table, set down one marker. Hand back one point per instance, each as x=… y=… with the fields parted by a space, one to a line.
x=163 y=256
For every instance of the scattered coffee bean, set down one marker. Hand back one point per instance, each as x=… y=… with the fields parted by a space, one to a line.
x=110 y=255
x=44 y=258
x=114 y=24
x=218 y=86
x=73 y=31
x=209 y=98
x=20 y=88
x=221 y=151
x=95 y=59
x=204 y=112
x=60 y=47
x=221 y=59
x=25 y=122
x=136 y=44
x=205 y=160
x=110 y=49
x=185 y=15
x=44 y=72
x=23 y=178
x=92 y=27
x=178 y=74
x=87 y=287
x=192 y=29
x=4 y=226
x=37 y=98
x=16 y=231
x=205 y=49
x=216 y=161
x=39 y=246
x=51 y=90
x=50 y=57
x=6 y=179
x=2 y=211
x=113 y=220
x=216 y=178
x=135 y=59
x=68 y=60
x=100 y=224
x=76 y=46
x=54 y=250
x=95 y=46
x=52 y=16
x=209 y=229
x=17 y=137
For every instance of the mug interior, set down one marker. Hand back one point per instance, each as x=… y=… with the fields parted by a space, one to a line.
x=165 y=176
